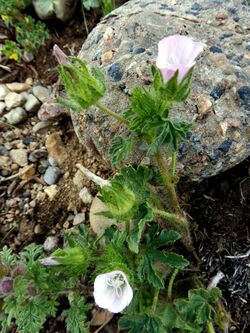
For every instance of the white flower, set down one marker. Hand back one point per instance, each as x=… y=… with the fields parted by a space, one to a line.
x=112 y=291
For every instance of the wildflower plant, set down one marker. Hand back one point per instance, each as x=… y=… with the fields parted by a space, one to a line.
x=131 y=270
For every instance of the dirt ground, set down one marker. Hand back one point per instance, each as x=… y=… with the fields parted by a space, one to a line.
x=218 y=207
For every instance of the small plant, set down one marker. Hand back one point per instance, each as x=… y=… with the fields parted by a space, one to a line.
x=133 y=270
x=29 y=35
x=106 y=5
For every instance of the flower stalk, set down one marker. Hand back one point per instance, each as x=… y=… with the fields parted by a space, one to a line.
x=112 y=114
x=171 y=282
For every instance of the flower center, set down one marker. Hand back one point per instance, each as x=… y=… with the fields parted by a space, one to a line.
x=116 y=282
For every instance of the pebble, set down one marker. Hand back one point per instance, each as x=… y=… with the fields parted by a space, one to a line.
x=244 y=94
x=225 y=146
x=41 y=125
x=138 y=50
x=215 y=49
x=41 y=93
x=51 y=191
x=56 y=148
x=19 y=156
x=27 y=172
x=3 y=91
x=2 y=107
x=13 y=100
x=114 y=72
x=216 y=93
x=79 y=180
x=38 y=229
x=50 y=244
x=35 y=155
x=16 y=116
x=52 y=161
x=85 y=196
x=99 y=223
x=18 y=87
x=79 y=218
x=52 y=175
x=32 y=104
x=4 y=161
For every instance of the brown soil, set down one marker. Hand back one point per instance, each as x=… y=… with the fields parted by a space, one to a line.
x=218 y=207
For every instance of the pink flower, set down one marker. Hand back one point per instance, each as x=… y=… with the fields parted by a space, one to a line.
x=177 y=53
x=49 y=262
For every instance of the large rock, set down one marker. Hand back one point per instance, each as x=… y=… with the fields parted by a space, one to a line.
x=49 y=9
x=219 y=102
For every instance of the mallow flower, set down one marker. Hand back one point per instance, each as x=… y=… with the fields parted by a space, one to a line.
x=112 y=291
x=177 y=53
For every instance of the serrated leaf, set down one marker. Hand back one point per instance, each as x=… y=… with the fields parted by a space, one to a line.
x=165 y=237
x=141 y=323
x=176 y=260
x=147 y=272
x=121 y=148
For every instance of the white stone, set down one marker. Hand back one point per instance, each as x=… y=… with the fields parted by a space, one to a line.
x=3 y=91
x=2 y=107
x=13 y=100
x=41 y=93
x=32 y=104
x=19 y=156
x=16 y=116
x=51 y=191
x=79 y=218
x=50 y=243
x=41 y=125
x=85 y=196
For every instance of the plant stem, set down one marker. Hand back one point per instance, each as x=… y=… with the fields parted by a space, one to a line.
x=168 y=182
x=173 y=164
x=210 y=327
x=155 y=300
x=170 y=216
x=112 y=114
x=171 y=282
x=127 y=225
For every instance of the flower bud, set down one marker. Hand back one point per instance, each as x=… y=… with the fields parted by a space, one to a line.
x=6 y=286
x=61 y=57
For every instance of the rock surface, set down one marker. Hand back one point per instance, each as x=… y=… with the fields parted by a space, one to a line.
x=219 y=101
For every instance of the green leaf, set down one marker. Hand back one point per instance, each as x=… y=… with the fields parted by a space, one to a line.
x=165 y=237
x=138 y=224
x=175 y=260
x=147 y=272
x=75 y=316
x=141 y=323
x=121 y=149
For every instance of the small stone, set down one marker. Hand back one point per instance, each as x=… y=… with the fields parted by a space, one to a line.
x=41 y=125
x=99 y=223
x=3 y=151
x=215 y=49
x=79 y=218
x=107 y=56
x=32 y=104
x=2 y=107
x=221 y=16
x=18 y=87
x=29 y=81
x=197 y=7
x=41 y=93
x=85 y=196
x=138 y=50
x=114 y=72
x=13 y=100
x=51 y=191
x=28 y=139
x=3 y=91
x=52 y=161
x=37 y=154
x=52 y=175
x=244 y=94
x=19 y=156
x=79 y=180
x=33 y=204
x=108 y=34
x=28 y=56
x=66 y=225
x=203 y=104
x=50 y=244
x=16 y=116
x=56 y=148
x=216 y=93
x=27 y=172
x=38 y=229
x=4 y=161
x=225 y=146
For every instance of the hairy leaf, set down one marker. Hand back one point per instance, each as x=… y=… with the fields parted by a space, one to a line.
x=121 y=149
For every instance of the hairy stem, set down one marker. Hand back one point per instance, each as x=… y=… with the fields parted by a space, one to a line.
x=175 y=219
x=155 y=300
x=173 y=164
x=167 y=179
x=171 y=282
x=112 y=114
x=210 y=327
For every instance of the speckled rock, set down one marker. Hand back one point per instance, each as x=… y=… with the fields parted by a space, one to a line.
x=16 y=116
x=220 y=88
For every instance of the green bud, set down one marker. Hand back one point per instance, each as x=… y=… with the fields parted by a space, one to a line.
x=71 y=256
x=83 y=88
x=120 y=200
